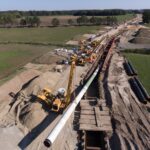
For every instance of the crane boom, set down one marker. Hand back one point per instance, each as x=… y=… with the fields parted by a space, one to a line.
x=69 y=88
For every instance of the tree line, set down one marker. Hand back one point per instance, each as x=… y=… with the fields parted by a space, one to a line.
x=34 y=21
x=84 y=20
x=146 y=16
x=109 y=20
x=30 y=21
x=85 y=17
x=106 y=12
x=7 y=19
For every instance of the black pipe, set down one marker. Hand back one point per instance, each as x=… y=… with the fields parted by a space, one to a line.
x=137 y=91
x=128 y=69
x=146 y=95
x=133 y=70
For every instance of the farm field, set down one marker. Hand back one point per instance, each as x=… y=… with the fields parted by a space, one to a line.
x=122 y=18
x=147 y=25
x=13 y=57
x=57 y=35
x=46 y=20
x=141 y=63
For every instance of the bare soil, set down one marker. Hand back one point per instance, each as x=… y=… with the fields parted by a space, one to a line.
x=49 y=58
x=135 y=38
x=142 y=37
x=29 y=115
x=130 y=118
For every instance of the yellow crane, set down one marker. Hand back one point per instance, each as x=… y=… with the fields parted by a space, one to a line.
x=63 y=100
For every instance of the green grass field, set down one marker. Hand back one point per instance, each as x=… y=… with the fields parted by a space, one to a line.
x=122 y=18
x=13 y=57
x=147 y=25
x=46 y=20
x=57 y=35
x=141 y=63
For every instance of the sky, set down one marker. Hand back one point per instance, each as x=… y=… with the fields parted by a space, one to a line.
x=72 y=4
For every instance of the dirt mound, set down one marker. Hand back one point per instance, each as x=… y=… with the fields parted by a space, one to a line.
x=31 y=116
x=130 y=118
x=49 y=58
x=26 y=110
x=142 y=37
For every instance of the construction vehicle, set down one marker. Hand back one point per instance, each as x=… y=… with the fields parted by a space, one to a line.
x=46 y=96
x=63 y=99
x=91 y=58
x=80 y=62
x=94 y=44
x=81 y=48
x=88 y=51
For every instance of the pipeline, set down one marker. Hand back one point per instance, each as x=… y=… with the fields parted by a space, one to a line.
x=55 y=132
x=137 y=90
x=103 y=50
x=145 y=93
x=133 y=70
x=129 y=69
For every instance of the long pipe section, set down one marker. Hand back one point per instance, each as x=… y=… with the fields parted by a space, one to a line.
x=55 y=132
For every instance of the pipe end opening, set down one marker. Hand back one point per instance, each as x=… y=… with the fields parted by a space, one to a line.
x=47 y=143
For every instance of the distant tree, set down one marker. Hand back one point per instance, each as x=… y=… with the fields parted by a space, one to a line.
x=7 y=18
x=146 y=16
x=111 y=12
x=30 y=21
x=55 y=22
x=93 y=20
x=82 y=20
x=36 y=21
x=70 y=22
x=109 y=21
x=17 y=14
x=115 y=20
x=23 y=22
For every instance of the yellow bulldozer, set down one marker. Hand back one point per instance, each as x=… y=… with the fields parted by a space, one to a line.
x=46 y=96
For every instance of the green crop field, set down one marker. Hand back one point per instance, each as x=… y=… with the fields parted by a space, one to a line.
x=141 y=63
x=122 y=18
x=57 y=35
x=46 y=20
x=147 y=25
x=13 y=57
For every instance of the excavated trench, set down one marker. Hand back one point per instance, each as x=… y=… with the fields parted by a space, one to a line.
x=93 y=89
x=90 y=140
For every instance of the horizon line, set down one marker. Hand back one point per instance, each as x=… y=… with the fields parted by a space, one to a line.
x=74 y=9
